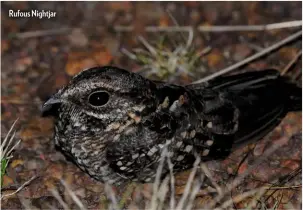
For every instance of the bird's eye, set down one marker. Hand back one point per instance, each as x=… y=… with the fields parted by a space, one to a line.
x=98 y=98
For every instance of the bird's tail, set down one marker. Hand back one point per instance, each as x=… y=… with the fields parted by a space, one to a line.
x=263 y=98
x=264 y=81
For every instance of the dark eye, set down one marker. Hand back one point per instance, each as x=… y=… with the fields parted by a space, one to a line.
x=98 y=98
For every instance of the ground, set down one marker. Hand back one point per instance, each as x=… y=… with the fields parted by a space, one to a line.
x=40 y=55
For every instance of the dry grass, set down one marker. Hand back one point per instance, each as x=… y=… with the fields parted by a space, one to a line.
x=164 y=62
x=168 y=63
x=7 y=146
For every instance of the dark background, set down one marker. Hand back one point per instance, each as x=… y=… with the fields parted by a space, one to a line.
x=34 y=65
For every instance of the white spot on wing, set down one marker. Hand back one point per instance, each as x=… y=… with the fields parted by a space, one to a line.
x=139 y=108
x=130 y=130
x=135 y=156
x=148 y=179
x=165 y=103
x=188 y=148
x=180 y=157
x=174 y=106
x=168 y=141
x=184 y=134
x=209 y=125
x=205 y=152
x=179 y=144
x=77 y=124
x=209 y=142
x=192 y=134
x=152 y=151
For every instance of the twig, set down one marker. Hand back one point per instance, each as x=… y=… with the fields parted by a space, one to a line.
x=129 y=54
x=153 y=204
x=278 y=201
x=209 y=176
x=150 y=48
x=251 y=58
x=292 y=62
x=130 y=188
x=19 y=102
x=26 y=203
x=154 y=29
x=59 y=198
x=288 y=24
x=190 y=38
x=7 y=147
x=109 y=192
x=255 y=201
x=20 y=188
x=239 y=165
x=237 y=181
x=73 y=196
x=50 y=32
x=242 y=196
x=188 y=184
x=285 y=180
x=172 y=183
x=13 y=147
x=190 y=31
x=176 y=23
x=6 y=142
x=195 y=189
x=283 y=187
x=163 y=189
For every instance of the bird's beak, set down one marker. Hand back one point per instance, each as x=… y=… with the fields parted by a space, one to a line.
x=51 y=105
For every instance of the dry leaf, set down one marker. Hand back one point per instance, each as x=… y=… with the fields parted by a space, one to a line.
x=214 y=58
x=78 y=61
x=103 y=57
x=14 y=163
x=4 y=45
x=164 y=21
x=36 y=128
x=7 y=181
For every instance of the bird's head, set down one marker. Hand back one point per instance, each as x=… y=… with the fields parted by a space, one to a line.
x=101 y=94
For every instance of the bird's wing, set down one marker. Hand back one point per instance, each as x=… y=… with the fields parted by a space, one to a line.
x=262 y=99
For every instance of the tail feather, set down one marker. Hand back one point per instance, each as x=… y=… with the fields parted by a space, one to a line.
x=268 y=83
x=263 y=98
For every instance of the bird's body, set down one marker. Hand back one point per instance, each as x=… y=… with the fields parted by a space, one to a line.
x=115 y=124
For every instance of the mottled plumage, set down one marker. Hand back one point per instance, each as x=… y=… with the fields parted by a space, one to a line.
x=114 y=124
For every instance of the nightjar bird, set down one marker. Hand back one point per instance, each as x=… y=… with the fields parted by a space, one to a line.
x=114 y=124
